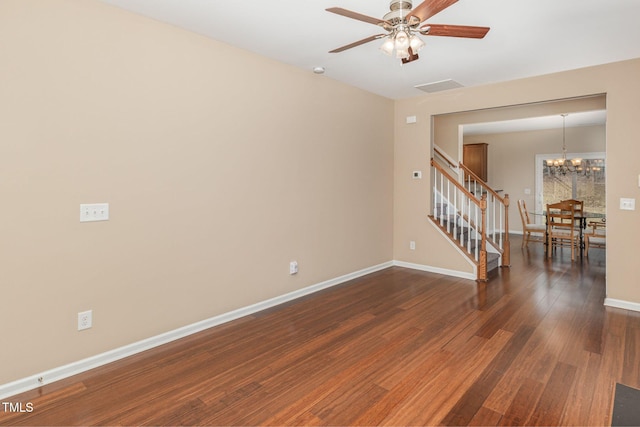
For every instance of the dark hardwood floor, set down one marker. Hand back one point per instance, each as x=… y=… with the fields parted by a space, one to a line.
x=534 y=346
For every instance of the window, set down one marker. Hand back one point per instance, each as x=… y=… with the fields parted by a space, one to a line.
x=586 y=183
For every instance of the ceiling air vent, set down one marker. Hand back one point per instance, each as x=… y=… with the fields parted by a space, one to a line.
x=439 y=86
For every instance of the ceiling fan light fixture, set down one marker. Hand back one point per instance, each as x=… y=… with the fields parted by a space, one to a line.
x=402 y=53
x=387 y=46
x=402 y=24
x=416 y=43
x=402 y=40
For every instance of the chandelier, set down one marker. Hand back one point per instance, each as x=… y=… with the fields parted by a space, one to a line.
x=402 y=38
x=562 y=166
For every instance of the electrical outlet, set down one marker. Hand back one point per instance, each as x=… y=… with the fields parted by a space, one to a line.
x=85 y=320
x=293 y=267
x=412 y=245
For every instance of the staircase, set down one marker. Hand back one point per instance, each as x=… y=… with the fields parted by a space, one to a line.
x=471 y=214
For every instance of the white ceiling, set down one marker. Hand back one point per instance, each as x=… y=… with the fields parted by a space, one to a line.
x=527 y=37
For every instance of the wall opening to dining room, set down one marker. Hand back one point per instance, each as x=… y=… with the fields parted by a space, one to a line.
x=521 y=138
x=516 y=135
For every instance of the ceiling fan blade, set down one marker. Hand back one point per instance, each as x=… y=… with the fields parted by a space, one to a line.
x=455 y=31
x=358 y=43
x=358 y=16
x=428 y=8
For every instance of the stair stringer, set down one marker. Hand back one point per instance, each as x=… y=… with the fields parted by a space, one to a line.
x=446 y=237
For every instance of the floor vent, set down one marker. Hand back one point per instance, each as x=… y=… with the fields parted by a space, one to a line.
x=439 y=86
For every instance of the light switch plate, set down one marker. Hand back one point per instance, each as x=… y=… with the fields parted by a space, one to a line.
x=94 y=212
x=628 y=204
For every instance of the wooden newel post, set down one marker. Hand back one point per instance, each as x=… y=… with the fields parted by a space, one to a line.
x=506 y=256
x=482 y=268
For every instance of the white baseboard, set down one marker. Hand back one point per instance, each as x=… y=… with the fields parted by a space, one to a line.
x=56 y=374
x=618 y=303
x=438 y=270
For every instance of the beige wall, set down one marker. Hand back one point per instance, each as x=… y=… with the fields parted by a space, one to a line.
x=511 y=159
x=220 y=167
x=621 y=85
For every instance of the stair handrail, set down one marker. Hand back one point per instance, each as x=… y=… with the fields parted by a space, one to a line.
x=444 y=156
x=468 y=171
x=455 y=182
x=478 y=225
x=505 y=246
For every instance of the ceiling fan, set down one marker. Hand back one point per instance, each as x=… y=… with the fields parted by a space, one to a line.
x=403 y=24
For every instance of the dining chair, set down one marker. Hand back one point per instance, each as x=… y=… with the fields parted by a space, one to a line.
x=578 y=208
x=561 y=230
x=597 y=237
x=578 y=205
x=531 y=232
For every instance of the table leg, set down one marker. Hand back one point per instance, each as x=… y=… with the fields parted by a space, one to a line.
x=583 y=225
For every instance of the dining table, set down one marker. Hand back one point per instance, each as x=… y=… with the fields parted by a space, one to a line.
x=581 y=220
